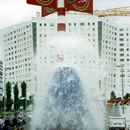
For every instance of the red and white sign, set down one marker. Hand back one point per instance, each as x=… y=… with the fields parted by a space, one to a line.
x=79 y=5
x=50 y=6
x=61 y=6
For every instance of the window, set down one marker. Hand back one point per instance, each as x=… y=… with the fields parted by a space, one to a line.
x=121 y=29
x=69 y=24
x=121 y=60
x=121 y=49
x=121 y=34
x=52 y=25
x=82 y=24
x=121 y=39
x=40 y=35
x=45 y=35
x=122 y=75
x=122 y=54
x=122 y=44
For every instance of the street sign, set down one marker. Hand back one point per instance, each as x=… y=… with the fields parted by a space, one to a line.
x=118 y=122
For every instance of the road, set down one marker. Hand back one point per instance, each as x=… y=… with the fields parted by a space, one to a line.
x=27 y=126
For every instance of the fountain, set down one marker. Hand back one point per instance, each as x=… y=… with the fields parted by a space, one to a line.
x=67 y=72
x=63 y=98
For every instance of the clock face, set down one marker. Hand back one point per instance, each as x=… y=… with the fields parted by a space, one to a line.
x=45 y=2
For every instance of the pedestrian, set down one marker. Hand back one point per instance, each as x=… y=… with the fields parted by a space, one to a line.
x=14 y=121
x=15 y=128
x=1 y=123
x=7 y=124
x=22 y=128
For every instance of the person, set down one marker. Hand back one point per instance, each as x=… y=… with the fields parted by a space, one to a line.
x=14 y=121
x=14 y=128
x=7 y=124
x=22 y=128
x=1 y=123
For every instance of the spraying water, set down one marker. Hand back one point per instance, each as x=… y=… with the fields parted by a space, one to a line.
x=63 y=98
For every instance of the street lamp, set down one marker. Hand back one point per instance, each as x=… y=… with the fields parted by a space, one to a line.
x=121 y=66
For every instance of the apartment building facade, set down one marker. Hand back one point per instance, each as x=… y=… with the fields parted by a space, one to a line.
x=114 y=53
x=18 y=43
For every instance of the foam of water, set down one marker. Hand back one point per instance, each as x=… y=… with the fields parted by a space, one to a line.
x=63 y=98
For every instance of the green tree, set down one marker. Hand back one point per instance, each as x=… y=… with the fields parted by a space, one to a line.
x=16 y=97
x=127 y=96
x=2 y=104
x=31 y=98
x=112 y=95
x=24 y=93
x=8 y=96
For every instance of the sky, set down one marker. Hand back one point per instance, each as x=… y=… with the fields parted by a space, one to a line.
x=16 y=11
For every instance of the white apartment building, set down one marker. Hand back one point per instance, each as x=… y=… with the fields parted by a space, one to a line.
x=107 y=32
x=19 y=51
x=114 y=52
x=123 y=59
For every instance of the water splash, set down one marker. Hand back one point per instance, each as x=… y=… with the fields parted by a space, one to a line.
x=63 y=98
x=66 y=105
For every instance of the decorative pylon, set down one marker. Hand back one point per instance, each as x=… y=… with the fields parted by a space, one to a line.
x=61 y=26
x=61 y=6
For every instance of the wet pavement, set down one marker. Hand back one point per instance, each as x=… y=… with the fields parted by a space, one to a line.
x=27 y=126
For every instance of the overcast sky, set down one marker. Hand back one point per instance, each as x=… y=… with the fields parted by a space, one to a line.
x=15 y=11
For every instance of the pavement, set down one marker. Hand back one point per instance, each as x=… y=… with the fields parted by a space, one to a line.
x=26 y=126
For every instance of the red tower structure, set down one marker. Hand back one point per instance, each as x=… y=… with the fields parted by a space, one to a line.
x=61 y=6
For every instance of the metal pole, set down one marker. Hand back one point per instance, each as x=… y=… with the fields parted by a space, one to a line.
x=122 y=88
x=26 y=105
x=121 y=66
x=4 y=90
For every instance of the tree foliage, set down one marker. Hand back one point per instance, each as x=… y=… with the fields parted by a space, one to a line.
x=8 y=96
x=24 y=93
x=2 y=104
x=113 y=95
x=127 y=96
x=24 y=88
x=16 y=97
x=31 y=98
